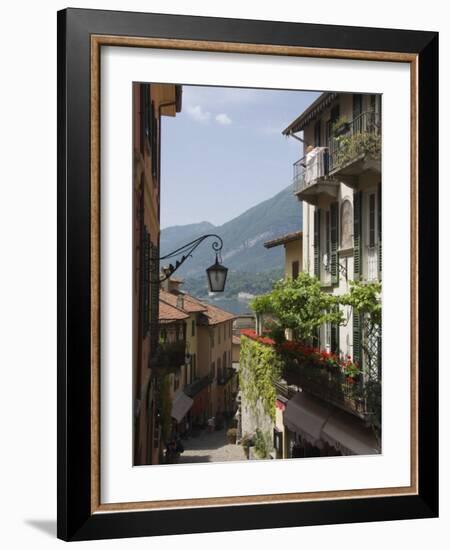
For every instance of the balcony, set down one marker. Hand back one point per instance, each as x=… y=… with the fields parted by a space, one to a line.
x=356 y=149
x=312 y=179
x=225 y=376
x=198 y=385
x=351 y=395
x=169 y=357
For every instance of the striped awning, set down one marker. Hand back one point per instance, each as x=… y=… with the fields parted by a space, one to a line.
x=306 y=416
x=180 y=406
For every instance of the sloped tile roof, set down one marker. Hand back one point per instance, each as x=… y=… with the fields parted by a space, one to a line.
x=209 y=314
x=283 y=239
x=169 y=313
x=190 y=304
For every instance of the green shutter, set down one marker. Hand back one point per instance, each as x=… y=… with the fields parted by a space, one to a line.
x=357 y=236
x=154 y=297
x=357 y=349
x=380 y=252
x=317 y=242
x=334 y=338
x=334 y=209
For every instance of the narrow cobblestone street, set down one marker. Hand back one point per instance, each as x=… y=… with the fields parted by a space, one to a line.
x=210 y=447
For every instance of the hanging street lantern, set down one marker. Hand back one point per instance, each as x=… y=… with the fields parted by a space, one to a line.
x=217 y=273
x=217 y=276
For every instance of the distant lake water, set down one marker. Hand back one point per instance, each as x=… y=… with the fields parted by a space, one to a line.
x=233 y=305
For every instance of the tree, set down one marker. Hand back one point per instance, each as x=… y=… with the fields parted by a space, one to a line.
x=299 y=304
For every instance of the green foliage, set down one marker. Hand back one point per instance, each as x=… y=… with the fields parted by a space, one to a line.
x=263 y=444
x=352 y=146
x=247 y=440
x=276 y=332
x=341 y=122
x=260 y=368
x=364 y=298
x=299 y=304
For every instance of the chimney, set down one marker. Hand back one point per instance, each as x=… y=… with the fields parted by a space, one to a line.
x=180 y=301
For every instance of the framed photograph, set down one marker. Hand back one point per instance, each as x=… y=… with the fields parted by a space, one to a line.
x=247 y=274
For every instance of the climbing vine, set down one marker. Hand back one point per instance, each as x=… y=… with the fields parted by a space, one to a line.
x=299 y=304
x=351 y=146
x=260 y=369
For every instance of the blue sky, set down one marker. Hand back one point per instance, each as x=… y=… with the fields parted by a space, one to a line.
x=224 y=152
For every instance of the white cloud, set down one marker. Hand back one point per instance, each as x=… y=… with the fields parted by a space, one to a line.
x=224 y=119
x=197 y=113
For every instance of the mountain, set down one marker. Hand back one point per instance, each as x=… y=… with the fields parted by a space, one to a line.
x=173 y=237
x=243 y=237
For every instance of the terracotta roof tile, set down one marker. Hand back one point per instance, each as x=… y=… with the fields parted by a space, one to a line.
x=283 y=239
x=210 y=315
x=215 y=315
x=168 y=313
x=187 y=303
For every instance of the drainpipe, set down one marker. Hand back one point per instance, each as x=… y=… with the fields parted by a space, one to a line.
x=307 y=213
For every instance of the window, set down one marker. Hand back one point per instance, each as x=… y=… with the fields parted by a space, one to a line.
x=334 y=115
x=295 y=269
x=213 y=369
x=193 y=328
x=327 y=336
x=211 y=335
x=219 y=331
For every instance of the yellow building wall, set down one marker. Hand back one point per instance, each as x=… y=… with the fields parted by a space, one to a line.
x=292 y=252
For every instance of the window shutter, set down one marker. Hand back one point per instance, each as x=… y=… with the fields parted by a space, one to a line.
x=334 y=338
x=357 y=236
x=142 y=265
x=143 y=117
x=154 y=142
x=380 y=252
x=372 y=220
x=357 y=355
x=317 y=242
x=154 y=297
x=334 y=242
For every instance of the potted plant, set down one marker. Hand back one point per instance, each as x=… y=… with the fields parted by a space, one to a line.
x=340 y=127
x=247 y=442
x=232 y=435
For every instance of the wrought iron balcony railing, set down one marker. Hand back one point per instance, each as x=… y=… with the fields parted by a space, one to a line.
x=310 y=168
x=355 y=139
x=169 y=356
x=334 y=387
x=225 y=375
x=198 y=385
